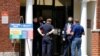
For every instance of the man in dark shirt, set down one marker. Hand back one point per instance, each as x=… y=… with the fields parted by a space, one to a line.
x=67 y=36
x=77 y=32
x=45 y=30
x=36 y=40
x=41 y=20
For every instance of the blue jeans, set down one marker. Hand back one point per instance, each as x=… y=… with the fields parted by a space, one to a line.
x=46 y=46
x=76 y=43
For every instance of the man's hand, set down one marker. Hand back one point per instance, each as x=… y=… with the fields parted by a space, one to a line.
x=47 y=34
x=63 y=39
x=42 y=34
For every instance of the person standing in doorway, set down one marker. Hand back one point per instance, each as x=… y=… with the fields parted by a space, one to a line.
x=41 y=20
x=47 y=30
x=67 y=36
x=77 y=32
x=36 y=36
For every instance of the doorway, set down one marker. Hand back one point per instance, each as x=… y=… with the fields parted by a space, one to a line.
x=58 y=15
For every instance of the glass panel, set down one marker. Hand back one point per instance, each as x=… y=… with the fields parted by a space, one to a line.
x=44 y=2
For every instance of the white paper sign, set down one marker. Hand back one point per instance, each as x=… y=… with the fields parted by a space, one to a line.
x=4 y=19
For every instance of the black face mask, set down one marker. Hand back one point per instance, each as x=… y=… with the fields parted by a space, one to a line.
x=41 y=21
x=69 y=21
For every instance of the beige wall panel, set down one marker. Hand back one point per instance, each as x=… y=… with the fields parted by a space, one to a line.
x=62 y=2
x=92 y=0
x=44 y=2
x=59 y=3
x=77 y=10
x=49 y=2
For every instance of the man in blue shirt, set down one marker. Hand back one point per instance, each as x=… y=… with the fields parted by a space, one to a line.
x=77 y=32
x=46 y=30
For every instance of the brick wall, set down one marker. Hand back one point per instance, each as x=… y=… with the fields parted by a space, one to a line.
x=95 y=43
x=98 y=14
x=13 y=9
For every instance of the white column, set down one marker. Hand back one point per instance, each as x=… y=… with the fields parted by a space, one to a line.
x=84 y=24
x=29 y=17
x=94 y=20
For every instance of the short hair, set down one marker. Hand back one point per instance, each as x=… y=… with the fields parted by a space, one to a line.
x=21 y=17
x=41 y=18
x=76 y=20
x=49 y=20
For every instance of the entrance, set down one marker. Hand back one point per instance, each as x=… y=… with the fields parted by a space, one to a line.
x=58 y=15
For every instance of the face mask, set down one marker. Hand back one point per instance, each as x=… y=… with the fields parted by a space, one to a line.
x=69 y=21
x=41 y=21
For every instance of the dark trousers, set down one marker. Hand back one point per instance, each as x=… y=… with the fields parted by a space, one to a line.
x=67 y=47
x=37 y=46
x=76 y=43
x=46 y=46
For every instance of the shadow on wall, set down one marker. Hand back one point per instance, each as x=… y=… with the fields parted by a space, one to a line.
x=65 y=2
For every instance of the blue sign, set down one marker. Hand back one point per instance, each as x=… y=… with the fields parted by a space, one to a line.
x=21 y=31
